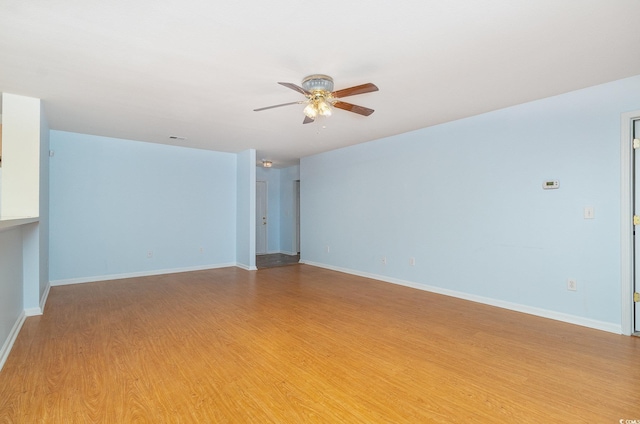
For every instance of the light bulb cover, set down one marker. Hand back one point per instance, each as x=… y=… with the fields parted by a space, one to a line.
x=323 y=108
x=311 y=111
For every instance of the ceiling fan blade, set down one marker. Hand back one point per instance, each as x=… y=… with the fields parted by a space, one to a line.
x=283 y=104
x=295 y=88
x=352 y=91
x=354 y=108
x=307 y=120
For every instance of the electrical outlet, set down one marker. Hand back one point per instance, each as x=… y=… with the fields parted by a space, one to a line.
x=201 y=250
x=328 y=249
x=412 y=261
x=149 y=254
x=572 y=284
x=589 y=212
x=384 y=260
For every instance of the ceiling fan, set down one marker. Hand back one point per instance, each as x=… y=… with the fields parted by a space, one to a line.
x=320 y=97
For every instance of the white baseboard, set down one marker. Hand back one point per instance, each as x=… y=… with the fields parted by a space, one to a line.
x=29 y=312
x=33 y=312
x=246 y=267
x=13 y=334
x=136 y=274
x=43 y=299
x=544 y=313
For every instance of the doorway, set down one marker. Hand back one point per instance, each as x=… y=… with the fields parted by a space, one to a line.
x=277 y=217
x=629 y=210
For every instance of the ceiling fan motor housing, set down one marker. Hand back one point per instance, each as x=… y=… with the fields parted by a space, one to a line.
x=318 y=82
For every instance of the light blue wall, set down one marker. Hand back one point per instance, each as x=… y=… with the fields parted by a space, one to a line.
x=11 y=296
x=31 y=272
x=246 y=209
x=465 y=199
x=113 y=201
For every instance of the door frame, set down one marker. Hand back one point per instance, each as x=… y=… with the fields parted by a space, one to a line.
x=626 y=221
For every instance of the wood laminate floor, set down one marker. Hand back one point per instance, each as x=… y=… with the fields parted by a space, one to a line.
x=302 y=344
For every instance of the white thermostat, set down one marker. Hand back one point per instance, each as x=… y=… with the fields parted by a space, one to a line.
x=550 y=184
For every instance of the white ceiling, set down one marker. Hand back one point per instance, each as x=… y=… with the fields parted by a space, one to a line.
x=149 y=69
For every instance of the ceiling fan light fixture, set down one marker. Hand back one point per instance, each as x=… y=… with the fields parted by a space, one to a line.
x=311 y=111
x=323 y=108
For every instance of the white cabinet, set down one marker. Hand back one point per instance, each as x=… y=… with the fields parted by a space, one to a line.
x=21 y=127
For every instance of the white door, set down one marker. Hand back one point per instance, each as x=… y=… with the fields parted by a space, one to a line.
x=261 y=217
x=636 y=228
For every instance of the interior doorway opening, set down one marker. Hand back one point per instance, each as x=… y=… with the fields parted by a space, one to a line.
x=277 y=217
